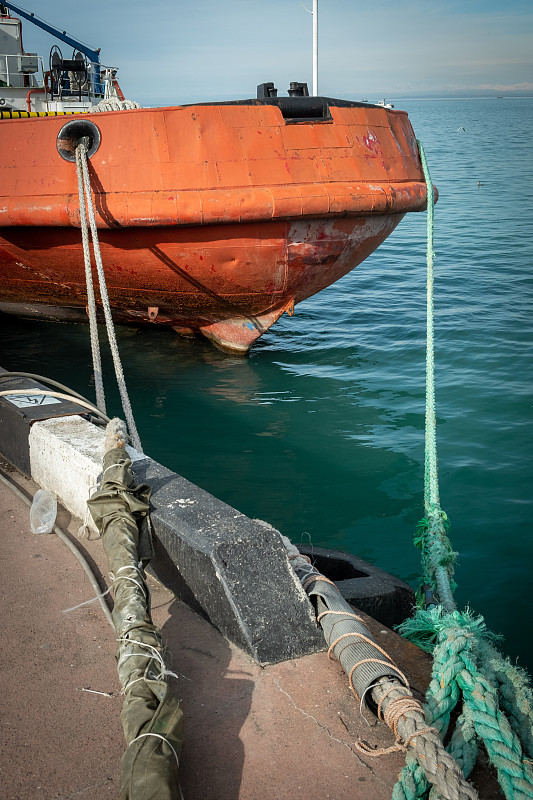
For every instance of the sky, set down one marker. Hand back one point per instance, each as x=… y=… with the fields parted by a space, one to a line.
x=171 y=52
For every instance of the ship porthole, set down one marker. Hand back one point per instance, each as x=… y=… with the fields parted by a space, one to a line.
x=70 y=134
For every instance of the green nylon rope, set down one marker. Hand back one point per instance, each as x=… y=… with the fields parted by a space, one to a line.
x=437 y=554
x=431 y=481
x=493 y=695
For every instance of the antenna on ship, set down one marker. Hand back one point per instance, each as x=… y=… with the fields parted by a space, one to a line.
x=315 y=48
x=314 y=14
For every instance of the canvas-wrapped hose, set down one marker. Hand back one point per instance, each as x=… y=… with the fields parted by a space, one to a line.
x=377 y=681
x=349 y=640
x=355 y=648
x=151 y=717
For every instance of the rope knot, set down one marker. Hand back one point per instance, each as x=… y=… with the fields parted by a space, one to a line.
x=395 y=710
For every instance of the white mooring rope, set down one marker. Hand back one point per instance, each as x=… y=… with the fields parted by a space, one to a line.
x=91 y=302
x=87 y=210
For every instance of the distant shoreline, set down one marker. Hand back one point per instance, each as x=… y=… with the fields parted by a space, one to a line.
x=373 y=98
x=462 y=97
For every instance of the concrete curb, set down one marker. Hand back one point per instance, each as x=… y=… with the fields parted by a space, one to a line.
x=233 y=569
x=66 y=458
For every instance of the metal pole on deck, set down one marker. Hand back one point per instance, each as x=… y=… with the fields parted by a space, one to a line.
x=315 y=48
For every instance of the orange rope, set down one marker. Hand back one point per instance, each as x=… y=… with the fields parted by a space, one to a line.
x=313 y=578
x=344 y=614
x=394 y=711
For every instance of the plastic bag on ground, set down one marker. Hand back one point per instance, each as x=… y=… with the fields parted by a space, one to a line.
x=43 y=511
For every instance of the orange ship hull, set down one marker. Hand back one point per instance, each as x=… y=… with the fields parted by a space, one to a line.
x=212 y=218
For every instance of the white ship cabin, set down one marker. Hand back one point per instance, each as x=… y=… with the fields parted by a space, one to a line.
x=63 y=85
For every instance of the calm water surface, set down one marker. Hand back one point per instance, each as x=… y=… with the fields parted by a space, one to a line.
x=320 y=430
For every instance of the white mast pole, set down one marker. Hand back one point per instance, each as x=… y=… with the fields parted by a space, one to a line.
x=315 y=48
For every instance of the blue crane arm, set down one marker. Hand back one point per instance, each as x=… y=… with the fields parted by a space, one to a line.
x=92 y=55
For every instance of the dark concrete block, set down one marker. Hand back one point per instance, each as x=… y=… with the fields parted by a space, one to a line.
x=18 y=415
x=231 y=568
x=384 y=597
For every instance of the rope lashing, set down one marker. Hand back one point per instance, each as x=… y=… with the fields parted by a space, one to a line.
x=151 y=715
x=468 y=670
x=162 y=738
x=87 y=210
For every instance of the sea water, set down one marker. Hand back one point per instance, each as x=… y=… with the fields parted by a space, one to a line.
x=320 y=430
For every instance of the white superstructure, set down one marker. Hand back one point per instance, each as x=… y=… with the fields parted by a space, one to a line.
x=26 y=84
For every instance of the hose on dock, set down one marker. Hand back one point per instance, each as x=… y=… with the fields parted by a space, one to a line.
x=43 y=379
x=151 y=716
x=60 y=395
x=376 y=680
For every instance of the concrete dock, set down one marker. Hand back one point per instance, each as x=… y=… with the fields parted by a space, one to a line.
x=252 y=733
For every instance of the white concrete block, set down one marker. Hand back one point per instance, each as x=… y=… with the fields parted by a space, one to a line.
x=66 y=458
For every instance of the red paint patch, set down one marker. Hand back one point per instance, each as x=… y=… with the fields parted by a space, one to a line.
x=371 y=143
